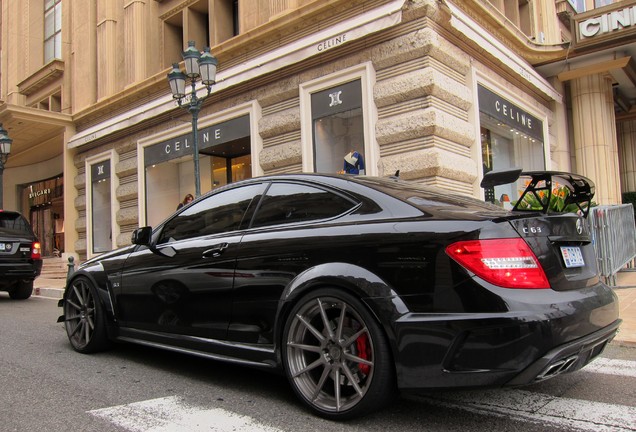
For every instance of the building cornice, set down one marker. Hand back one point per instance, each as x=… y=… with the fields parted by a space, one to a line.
x=497 y=24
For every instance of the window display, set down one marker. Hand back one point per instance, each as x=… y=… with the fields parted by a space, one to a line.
x=338 y=129
x=100 y=208
x=510 y=137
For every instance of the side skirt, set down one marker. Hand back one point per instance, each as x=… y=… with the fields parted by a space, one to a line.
x=243 y=354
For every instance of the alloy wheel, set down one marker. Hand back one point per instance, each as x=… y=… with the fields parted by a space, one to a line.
x=330 y=354
x=80 y=313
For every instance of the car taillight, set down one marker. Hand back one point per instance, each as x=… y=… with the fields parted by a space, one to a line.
x=508 y=263
x=36 y=250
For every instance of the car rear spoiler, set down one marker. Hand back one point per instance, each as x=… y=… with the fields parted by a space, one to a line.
x=540 y=188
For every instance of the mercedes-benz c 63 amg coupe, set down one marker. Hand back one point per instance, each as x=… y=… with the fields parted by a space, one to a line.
x=358 y=287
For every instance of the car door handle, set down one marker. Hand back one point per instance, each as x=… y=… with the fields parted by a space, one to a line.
x=215 y=251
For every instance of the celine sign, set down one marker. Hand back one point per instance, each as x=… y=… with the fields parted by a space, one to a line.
x=208 y=137
x=611 y=22
x=510 y=114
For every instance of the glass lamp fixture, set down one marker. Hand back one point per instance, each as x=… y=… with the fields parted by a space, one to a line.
x=177 y=81
x=207 y=67
x=191 y=58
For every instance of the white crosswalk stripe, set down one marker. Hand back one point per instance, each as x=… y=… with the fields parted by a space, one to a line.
x=569 y=414
x=612 y=367
x=173 y=414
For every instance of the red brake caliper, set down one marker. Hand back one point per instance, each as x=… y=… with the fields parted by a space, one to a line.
x=362 y=344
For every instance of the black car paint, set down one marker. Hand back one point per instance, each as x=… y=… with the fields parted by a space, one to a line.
x=446 y=327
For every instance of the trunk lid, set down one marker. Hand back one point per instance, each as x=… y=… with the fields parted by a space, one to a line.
x=550 y=215
x=563 y=246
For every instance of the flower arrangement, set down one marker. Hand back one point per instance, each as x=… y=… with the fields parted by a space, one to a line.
x=536 y=200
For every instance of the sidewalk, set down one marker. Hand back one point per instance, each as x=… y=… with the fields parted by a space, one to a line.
x=625 y=290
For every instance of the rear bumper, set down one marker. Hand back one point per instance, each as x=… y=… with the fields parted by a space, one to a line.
x=567 y=358
x=542 y=334
x=13 y=272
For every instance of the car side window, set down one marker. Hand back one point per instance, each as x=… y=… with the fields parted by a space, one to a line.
x=218 y=213
x=290 y=202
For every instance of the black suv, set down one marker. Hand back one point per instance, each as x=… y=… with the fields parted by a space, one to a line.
x=20 y=255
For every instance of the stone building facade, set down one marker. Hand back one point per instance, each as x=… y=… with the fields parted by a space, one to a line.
x=441 y=90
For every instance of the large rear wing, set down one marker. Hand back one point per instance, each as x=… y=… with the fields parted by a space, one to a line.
x=546 y=191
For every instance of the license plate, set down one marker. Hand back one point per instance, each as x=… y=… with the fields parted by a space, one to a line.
x=572 y=256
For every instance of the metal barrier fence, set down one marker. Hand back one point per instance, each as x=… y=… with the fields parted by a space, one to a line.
x=614 y=238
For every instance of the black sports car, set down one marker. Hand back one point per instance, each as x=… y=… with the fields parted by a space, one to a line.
x=355 y=286
x=20 y=255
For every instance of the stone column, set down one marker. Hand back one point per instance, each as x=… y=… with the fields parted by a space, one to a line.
x=106 y=48
x=595 y=144
x=135 y=41
x=627 y=151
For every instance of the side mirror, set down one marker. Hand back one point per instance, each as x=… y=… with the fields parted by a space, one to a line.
x=141 y=236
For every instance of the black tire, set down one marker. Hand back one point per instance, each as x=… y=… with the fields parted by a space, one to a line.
x=22 y=290
x=331 y=337
x=84 y=317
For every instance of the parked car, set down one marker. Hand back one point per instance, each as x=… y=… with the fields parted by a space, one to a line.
x=355 y=287
x=20 y=255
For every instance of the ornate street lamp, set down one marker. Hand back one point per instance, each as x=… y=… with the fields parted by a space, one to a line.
x=198 y=66
x=5 y=149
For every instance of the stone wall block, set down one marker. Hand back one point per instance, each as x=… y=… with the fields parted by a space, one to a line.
x=126 y=192
x=79 y=181
x=281 y=155
x=80 y=202
x=80 y=247
x=432 y=162
x=124 y=239
x=80 y=224
x=128 y=216
x=419 y=44
x=422 y=83
x=423 y=8
x=126 y=168
x=278 y=92
x=424 y=123
x=279 y=123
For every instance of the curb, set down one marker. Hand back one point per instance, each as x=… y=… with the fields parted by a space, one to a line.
x=56 y=293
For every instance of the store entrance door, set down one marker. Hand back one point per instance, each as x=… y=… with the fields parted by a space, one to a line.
x=42 y=223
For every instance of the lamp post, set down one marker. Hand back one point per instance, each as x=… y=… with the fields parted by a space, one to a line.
x=5 y=149
x=198 y=65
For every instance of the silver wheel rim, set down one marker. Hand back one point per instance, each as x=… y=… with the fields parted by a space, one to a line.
x=330 y=354
x=79 y=310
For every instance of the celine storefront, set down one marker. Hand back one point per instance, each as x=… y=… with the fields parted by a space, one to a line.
x=225 y=156
x=399 y=86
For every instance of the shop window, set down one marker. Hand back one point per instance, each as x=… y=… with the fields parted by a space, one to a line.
x=338 y=129
x=224 y=157
x=52 y=30
x=100 y=208
x=510 y=137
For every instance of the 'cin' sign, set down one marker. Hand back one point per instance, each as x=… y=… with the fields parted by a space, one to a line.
x=603 y=24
